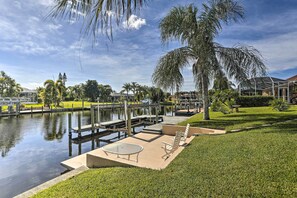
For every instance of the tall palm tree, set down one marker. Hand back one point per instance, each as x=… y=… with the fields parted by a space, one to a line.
x=97 y=14
x=197 y=33
x=126 y=88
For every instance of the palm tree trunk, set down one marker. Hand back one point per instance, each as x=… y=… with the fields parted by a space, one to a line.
x=205 y=98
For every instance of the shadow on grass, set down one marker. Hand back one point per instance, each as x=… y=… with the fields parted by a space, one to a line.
x=284 y=128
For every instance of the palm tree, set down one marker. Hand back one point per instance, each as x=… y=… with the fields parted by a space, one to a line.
x=134 y=87
x=54 y=90
x=126 y=88
x=97 y=14
x=197 y=33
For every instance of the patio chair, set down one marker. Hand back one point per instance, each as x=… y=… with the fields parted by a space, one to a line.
x=170 y=148
x=185 y=135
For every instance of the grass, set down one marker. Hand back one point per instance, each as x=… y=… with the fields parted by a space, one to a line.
x=255 y=163
x=247 y=117
x=65 y=104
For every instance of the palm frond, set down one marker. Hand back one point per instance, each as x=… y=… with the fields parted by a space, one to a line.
x=167 y=73
x=218 y=11
x=179 y=24
x=241 y=62
x=98 y=15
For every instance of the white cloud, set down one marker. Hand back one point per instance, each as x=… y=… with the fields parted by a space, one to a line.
x=134 y=22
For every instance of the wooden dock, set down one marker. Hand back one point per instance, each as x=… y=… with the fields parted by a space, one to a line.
x=117 y=125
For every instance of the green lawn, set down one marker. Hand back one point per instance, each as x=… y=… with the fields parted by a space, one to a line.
x=255 y=163
x=246 y=117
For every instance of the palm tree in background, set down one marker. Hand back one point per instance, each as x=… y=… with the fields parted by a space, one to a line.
x=126 y=88
x=197 y=33
x=97 y=14
x=54 y=90
x=134 y=86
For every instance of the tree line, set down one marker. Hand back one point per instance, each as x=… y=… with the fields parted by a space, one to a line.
x=54 y=92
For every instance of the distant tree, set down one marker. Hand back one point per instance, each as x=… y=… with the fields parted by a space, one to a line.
x=156 y=95
x=53 y=92
x=134 y=86
x=126 y=88
x=75 y=92
x=141 y=92
x=104 y=92
x=91 y=90
x=8 y=86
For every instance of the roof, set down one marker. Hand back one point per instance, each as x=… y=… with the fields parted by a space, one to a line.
x=261 y=83
x=26 y=90
x=293 y=78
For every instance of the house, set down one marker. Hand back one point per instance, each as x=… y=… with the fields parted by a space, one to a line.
x=270 y=86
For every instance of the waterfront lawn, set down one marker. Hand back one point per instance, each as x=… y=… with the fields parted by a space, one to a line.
x=254 y=163
x=247 y=117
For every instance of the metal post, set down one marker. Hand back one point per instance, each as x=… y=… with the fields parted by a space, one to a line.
x=288 y=93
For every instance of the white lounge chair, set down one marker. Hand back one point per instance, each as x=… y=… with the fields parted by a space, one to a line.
x=170 y=148
x=185 y=135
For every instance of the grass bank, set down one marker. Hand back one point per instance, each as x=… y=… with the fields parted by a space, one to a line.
x=255 y=163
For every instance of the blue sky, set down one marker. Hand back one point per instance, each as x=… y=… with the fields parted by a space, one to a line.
x=33 y=49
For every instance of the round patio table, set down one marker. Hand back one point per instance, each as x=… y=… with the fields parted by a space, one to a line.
x=121 y=148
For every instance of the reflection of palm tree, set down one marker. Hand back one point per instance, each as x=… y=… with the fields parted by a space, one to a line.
x=198 y=33
x=53 y=126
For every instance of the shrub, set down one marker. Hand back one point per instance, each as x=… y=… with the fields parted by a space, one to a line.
x=219 y=106
x=279 y=104
x=253 y=101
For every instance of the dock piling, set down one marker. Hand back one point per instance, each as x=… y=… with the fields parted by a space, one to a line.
x=69 y=124
x=79 y=125
x=92 y=119
x=129 y=122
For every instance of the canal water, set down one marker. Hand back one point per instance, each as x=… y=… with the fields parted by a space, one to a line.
x=32 y=147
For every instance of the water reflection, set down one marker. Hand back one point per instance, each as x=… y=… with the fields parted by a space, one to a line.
x=53 y=125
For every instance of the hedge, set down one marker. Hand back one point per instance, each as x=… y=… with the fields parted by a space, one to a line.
x=253 y=101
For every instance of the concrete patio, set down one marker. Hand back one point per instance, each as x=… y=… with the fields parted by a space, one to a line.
x=150 y=157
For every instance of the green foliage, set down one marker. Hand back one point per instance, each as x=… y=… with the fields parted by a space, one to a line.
x=197 y=32
x=218 y=106
x=253 y=101
x=156 y=95
x=75 y=92
x=249 y=164
x=91 y=90
x=8 y=86
x=222 y=100
x=53 y=92
x=279 y=104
